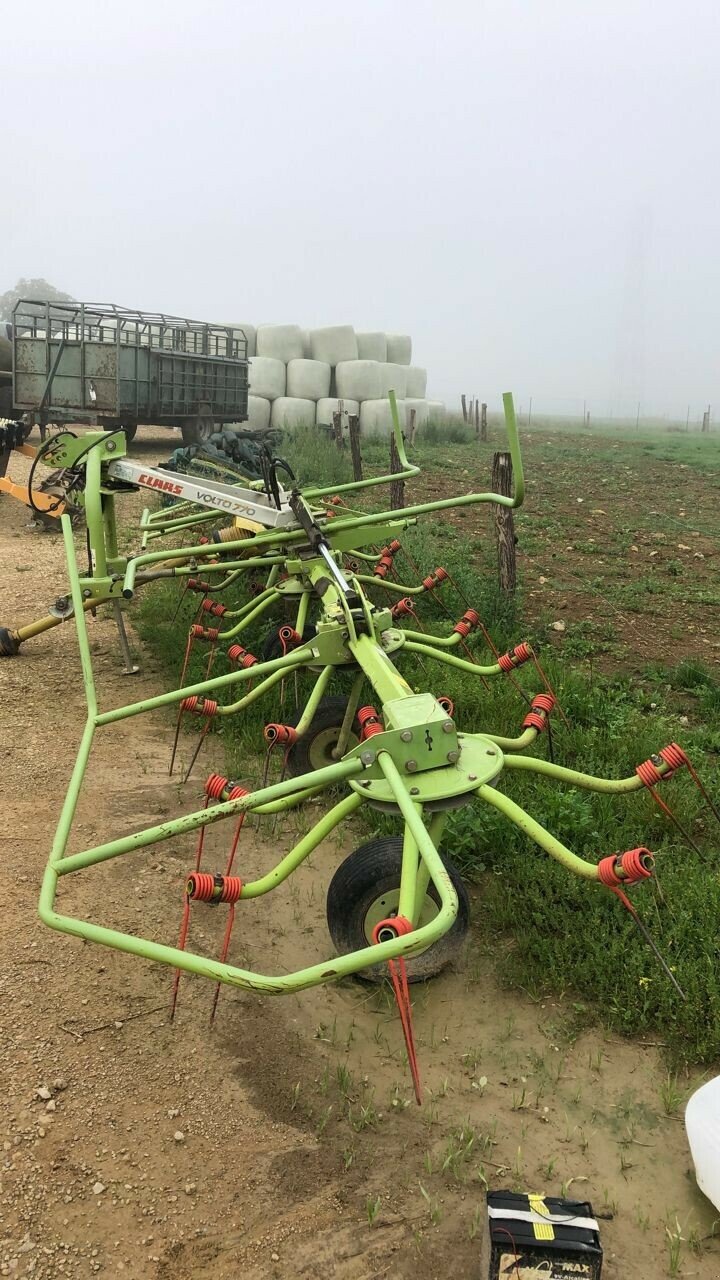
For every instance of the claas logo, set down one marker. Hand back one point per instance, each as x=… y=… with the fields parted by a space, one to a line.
x=155 y=482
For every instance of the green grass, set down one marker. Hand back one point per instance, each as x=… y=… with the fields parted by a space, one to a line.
x=553 y=932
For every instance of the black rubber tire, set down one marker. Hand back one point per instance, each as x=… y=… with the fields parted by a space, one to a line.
x=329 y=715
x=370 y=871
x=197 y=430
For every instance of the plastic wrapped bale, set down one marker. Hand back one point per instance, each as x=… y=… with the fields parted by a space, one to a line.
x=308 y=379
x=280 y=342
x=250 y=332
x=307 y=353
x=421 y=411
x=267 y=377
x=436 y=410
x=293 y=411
x=330 y=405
x=393 y=377
x=416 y=382
x=376 y=418
x=399 y=348
x=258 y=413
x=372 y=346
x=334 y=344
x=358 y=380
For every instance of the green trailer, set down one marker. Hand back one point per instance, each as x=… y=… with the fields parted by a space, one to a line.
x=113 y=367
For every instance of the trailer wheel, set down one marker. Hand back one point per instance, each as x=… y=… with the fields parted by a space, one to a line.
x=198 y=430
x=129 y=428
x=366 y=889
x=315 y=750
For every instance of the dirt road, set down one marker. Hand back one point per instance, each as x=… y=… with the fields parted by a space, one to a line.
x=283 y=1142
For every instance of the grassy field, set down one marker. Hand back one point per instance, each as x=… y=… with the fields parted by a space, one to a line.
x=618 y=540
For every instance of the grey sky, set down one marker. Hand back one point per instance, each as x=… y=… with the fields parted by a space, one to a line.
x=530 y=189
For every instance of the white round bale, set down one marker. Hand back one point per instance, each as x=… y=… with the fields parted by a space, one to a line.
x=307 y=354
x=416 y=381
x=258 y=412
x=334 y=344
x=329 y=406
x=308 y=379
x=399 y=348
x=267 y=377
x=393 y=377
x=280 y=341
x=376 y=418
x=421 y=410
x=358 y=379
x=372 y=346
x=436 y=410
x=250 y=333
x=292 y=411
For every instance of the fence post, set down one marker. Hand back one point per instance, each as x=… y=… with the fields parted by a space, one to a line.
x=354 y=433
x=463 y=402
x=412 y=425
x=504 y=524
x=397 y=487
x=483 y=422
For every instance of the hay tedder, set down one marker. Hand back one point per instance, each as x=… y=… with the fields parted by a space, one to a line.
x=363 y=736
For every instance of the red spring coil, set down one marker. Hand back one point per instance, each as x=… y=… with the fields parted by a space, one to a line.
x=521 y=653
x=283 y=734
x=446 y=703
x=402 y=608
x=201 y=886
x=469 y=620
x=672 y=755
x=199 y=706
x=336 y=500
x=204 y=541
x=214 y=607
x=429 y=582
x=542 y=704
x=392 y=547
x=197 y=584
x=383 y=566
x=288 y=635
x=369 y=722
x=219 y=788
x=441 y=575
x=626 y=868
x=241 y=656
x=198 y=632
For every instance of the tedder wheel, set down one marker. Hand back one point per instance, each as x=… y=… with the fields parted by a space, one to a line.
x=315 y=750
x=366 y=889
x=129 y=428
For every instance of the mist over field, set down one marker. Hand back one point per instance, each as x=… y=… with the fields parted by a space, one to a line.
x=529 y=190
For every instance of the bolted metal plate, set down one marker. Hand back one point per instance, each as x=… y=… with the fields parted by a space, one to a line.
x=480 y=762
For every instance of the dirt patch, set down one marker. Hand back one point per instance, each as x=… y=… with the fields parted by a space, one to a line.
x=284 y=1141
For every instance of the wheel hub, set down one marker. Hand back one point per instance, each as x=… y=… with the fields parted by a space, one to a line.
x=480 y=762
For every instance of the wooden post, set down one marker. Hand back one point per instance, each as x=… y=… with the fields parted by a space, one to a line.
x=337 y=430
x=477 y=419
x=354 y=433
x=483 y=422
x=463 y=401
x=706 y=419
x=412 y=424
x=504 y=524
x=397 y=487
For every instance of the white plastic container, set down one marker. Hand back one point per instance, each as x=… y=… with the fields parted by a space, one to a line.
x=280 y=342
x=358 y=379
x=372 y=346
x=308 y=379
x=416 y=381
x=399 y=348
x=292 y=411
x=421 y=411
x=267 y=377
x=376 y=418
x=258 y=412
x=393 y=377
x=702 y=1122
x=329 y=406
x=334 y=344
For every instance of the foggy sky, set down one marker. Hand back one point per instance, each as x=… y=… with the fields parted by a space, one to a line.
x=529 y=189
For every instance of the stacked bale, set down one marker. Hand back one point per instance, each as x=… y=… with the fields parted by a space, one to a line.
x=300 y=376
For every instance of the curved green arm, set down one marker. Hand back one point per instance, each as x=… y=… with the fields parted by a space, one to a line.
x=551 y=845
x=525 y=739
x=408 y=469
x=450 y=660
x=586 y=780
